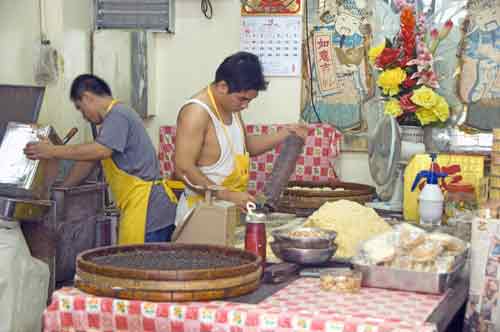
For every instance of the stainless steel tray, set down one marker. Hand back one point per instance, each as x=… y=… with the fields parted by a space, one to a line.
x=413 y=281
x=19 y=176
x=15 y=209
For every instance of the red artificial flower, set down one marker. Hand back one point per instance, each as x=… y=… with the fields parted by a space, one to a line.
x=406 y=104
x=448 y=25
x=407 y=34
x=387 y=57
x=434 y=33
x=408 y=83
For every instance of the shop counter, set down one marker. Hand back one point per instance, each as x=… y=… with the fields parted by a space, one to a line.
x=298 y=305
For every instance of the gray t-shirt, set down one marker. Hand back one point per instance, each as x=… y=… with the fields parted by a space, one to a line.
x=133 y=152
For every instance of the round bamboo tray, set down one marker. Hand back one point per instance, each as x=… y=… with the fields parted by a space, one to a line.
x=190 y=284
x=305 y=202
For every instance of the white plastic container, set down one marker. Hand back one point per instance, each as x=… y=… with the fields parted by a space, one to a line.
x=430 y=205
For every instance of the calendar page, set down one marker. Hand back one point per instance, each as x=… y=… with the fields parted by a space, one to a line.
x=276 y=40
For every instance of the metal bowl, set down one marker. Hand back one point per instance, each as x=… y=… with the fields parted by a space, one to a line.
x=303 y=256
x=282 y=236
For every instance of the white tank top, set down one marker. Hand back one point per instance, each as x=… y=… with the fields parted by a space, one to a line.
x=224 y=166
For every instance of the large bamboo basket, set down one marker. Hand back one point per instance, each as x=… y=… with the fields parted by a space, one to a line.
x=305 y=202
x=167 y=285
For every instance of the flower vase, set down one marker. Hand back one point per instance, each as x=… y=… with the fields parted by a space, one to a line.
x=412 y=134
x=429 y=143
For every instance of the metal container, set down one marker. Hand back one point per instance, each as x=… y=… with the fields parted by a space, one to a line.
x=411 y=281
x=78 y=210
x=20 y=176
x=79 y=202
x=19 y=103
x=16 y=209
x=284 y=238
x=303 y=256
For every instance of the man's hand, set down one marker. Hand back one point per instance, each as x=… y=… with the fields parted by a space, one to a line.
x=39 y=150
x=240 y=199
x=300 y=130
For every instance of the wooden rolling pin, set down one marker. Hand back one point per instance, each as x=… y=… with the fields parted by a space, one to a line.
x=282 y=170
x=71 y=133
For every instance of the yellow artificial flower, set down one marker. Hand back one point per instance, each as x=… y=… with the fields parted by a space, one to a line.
x=426 y=116
x=390 y=79
x=442 y=110
x=375 y=51
x=392 y=107
x=425 y=97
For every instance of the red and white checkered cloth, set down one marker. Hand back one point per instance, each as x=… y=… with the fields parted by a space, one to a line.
x=301 y=306
x=315 y=164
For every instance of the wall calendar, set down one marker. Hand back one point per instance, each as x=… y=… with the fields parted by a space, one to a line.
x=276 y=40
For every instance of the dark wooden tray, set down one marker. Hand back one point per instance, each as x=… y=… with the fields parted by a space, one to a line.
x=304 y=202
x=167 y=285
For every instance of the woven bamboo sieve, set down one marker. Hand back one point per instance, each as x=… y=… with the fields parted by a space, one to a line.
x=167 y=285
x=304 y=201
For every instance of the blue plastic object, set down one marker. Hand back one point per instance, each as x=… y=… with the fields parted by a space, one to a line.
x=431 y=176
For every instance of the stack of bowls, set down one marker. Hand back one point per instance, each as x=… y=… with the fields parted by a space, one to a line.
x=495 y=166
x=295 y=246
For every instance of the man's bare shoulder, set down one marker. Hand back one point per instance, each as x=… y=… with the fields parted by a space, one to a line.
x=192 y=117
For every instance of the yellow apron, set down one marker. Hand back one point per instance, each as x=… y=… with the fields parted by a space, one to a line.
x=237 y=180
x=132 y=196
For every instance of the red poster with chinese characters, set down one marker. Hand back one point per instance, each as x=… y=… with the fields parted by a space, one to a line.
x=270 y=7
x=325 y=66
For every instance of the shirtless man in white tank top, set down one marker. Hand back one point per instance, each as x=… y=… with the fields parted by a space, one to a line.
x=203 y=153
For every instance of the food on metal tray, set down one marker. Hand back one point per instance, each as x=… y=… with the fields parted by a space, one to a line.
x=410 y=236
x=380 y=249
x=411 y=248
x=302 y=233
x=426 y=252
x=449 y=243
x=344 y=281
x=353 y=223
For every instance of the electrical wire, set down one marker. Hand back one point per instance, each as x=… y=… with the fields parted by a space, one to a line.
x=207 y=9
x=306 y=17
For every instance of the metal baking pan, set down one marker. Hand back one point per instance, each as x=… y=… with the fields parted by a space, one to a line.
x=19 y=176
x=23 y=209
x=413 y=281
x=20 y=103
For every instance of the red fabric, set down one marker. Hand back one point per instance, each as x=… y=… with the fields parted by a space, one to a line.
x=315 y=164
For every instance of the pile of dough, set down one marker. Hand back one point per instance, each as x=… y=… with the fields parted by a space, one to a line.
x=353 y=223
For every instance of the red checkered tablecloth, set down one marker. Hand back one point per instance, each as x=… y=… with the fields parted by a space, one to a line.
x=316 y=163
x=301 y=306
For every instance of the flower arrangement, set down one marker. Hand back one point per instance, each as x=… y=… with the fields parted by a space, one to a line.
x=406 y=64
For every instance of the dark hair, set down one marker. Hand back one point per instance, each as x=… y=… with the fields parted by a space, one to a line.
x=241 y=71
x=89 y=83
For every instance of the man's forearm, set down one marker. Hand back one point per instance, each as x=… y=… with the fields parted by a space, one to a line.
x=79 y=172
x=194 y=176
x=81 y=152
x=259 y=144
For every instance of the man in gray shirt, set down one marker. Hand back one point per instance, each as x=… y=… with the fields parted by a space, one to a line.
x=129 y=160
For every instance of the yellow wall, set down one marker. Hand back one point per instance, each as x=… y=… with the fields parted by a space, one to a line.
x=184 y=62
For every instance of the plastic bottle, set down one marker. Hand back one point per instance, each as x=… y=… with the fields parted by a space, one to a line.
x=431 y=197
